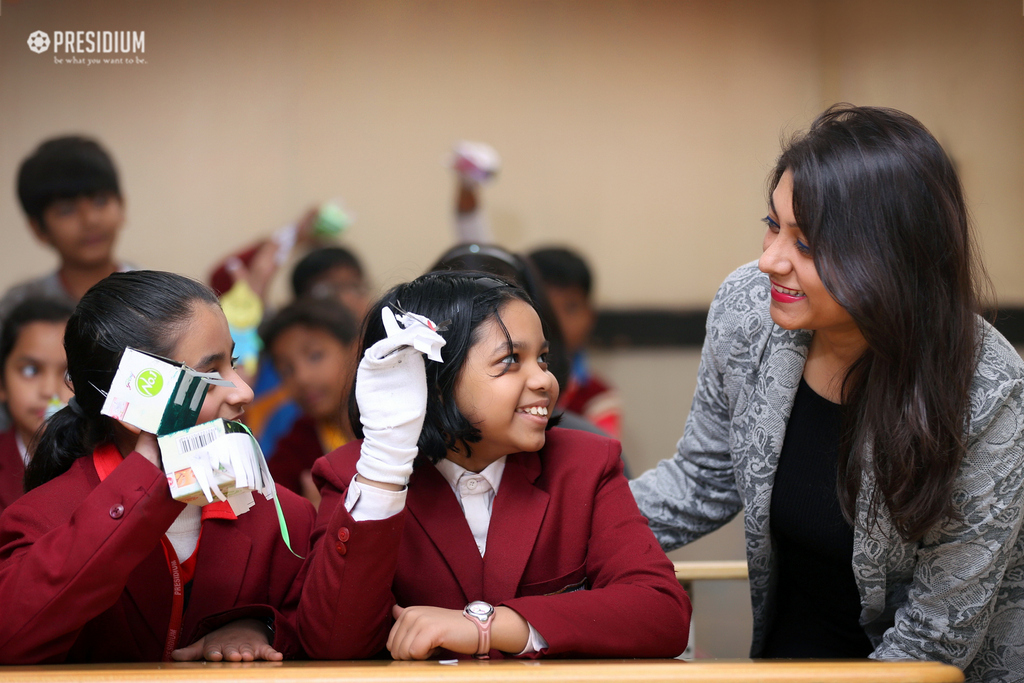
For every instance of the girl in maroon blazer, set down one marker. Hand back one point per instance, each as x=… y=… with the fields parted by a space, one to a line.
x=460 y=524
x=97 y=561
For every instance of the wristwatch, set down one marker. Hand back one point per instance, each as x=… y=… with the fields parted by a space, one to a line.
x=482 y=615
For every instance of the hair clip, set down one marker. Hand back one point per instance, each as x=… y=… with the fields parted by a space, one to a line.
x=405 y=318
x=416 y=330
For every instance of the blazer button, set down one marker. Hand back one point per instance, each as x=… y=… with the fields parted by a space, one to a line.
x=117 y=511
x=343 y=534
x=342 y=548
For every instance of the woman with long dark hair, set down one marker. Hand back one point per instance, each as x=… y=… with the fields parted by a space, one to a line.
x=870 y=424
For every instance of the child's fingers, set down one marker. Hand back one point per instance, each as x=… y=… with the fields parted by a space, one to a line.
x=402 y=641
x=415 y=640
x=396 y=612
x=213 y=654
x=268 y=653
x=190 y=653
x=421 y=645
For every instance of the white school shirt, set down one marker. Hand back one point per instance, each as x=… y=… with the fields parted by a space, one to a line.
x=475 y=492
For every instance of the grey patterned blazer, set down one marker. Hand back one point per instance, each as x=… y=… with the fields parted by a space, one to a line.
x=956 y=596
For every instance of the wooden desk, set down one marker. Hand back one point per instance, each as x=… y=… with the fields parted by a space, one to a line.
x=688 y=572
x=508 y=671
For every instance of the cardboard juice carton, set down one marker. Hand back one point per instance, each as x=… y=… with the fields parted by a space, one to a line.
x=216 y=460
x=155 y=394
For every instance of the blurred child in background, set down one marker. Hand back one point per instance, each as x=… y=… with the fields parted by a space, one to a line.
x=568 y=282
x=70 y=193
x=33 y=366
x=312 y=344
x=333 y=273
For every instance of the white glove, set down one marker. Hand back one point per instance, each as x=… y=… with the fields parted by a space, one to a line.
x=391 y=392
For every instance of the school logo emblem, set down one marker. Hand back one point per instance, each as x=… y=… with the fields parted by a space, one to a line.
x=149 y=383
x=39 y=42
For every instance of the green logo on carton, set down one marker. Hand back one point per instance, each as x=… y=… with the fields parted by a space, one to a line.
x=149 y=383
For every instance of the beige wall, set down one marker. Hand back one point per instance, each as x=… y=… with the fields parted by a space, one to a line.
x=640 y=131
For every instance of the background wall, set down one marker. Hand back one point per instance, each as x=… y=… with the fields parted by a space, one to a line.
x=640 y=132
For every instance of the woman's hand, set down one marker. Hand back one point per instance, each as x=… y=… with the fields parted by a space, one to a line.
x=419 y=631
x=244 y=640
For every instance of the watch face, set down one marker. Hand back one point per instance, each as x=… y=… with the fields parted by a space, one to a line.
x=480 y=609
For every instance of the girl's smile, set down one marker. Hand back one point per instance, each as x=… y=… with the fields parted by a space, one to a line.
x=505 y=388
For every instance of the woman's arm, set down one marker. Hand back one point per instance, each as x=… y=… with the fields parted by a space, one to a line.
x=695 y=492
x=60 y=569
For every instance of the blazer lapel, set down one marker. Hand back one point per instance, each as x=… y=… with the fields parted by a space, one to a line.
x=766 y=415
x=221 y=567
x=432 y=503
x=516 y=517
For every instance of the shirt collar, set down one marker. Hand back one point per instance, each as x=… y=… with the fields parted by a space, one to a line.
x=452 y=472
x=22 y=450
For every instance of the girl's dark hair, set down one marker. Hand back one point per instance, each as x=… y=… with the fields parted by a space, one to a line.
x=144 y=309
x=64 y=168
x=33 y=310
x=328 y=315
x=466 y=299
x=490 y=258
x=883 y=211
x=315 y=264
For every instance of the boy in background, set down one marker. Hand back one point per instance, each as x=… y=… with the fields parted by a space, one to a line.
x=567 y=281
x=70 y=193
x=312 y=344
x=332 y=273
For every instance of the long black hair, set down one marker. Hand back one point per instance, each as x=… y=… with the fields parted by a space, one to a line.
x=882 y=208
x=465 y=300
x=144 y=309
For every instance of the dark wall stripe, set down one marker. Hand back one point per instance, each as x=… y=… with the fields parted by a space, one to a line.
x=685 y=328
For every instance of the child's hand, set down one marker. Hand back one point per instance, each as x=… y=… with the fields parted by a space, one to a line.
x=419 y=631
x=147 y=446
x=244 y=640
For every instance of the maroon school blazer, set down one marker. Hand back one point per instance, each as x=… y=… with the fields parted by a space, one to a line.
x=12 y=470
x=84 y=578
x=567 y=549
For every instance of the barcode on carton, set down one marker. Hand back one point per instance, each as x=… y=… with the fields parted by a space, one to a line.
x=193 y=442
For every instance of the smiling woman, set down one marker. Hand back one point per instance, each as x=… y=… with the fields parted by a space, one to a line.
x=865 y=419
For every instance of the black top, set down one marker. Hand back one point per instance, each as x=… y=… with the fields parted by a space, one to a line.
x=816 y=605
